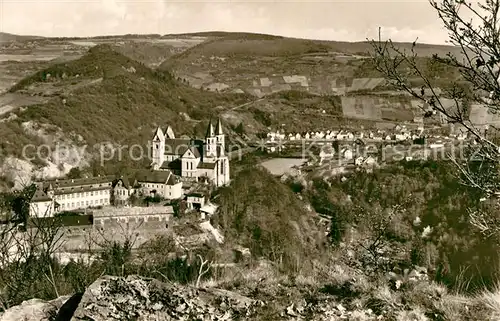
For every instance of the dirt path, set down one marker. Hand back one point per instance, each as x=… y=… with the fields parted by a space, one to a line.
x=247 y=104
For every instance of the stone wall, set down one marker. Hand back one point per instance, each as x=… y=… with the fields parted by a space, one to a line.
x=138 y=224
x=132 y=211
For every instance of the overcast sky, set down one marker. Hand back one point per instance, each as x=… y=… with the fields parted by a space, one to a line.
x=352 y=20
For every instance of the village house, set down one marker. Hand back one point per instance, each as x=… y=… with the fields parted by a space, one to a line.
x=369 y=161
x=208 y=210
x=195 y=201
x=341 y=135
x=401 y=136
x=41 y=205
x=162 y=184
x=347 y=153
x=158 y=183
x=326 y=153
x=122 y=190
x=192 y=159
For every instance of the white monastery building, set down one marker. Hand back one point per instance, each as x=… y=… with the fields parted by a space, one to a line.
x=70 y=194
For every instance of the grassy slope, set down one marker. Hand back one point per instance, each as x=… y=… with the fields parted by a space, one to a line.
x=281 y=231
x=124 y=107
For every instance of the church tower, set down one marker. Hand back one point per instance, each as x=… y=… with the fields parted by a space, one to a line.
x=222 y=161
x=220 y=140
x=210 y=144
x=158 y=149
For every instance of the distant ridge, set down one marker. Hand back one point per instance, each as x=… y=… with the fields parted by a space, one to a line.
x=8 y=37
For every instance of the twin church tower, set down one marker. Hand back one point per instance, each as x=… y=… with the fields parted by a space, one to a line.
x=192 y=159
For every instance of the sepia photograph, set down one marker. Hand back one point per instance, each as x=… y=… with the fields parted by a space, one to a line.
x=251 y=160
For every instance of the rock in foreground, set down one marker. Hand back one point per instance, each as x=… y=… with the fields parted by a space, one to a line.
x=137 y=298
x=34 y=309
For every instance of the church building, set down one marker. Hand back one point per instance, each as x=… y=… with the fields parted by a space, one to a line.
x=192 y=159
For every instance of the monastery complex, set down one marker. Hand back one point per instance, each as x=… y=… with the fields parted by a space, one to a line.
x=177 y=164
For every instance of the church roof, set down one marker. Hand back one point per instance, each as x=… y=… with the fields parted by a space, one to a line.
x=218 y=128
x=194 y=150
x=210 y=130
x=179 y=146
x=173 y=165
x=169 y=133
x=159 y=134
x=204 y=165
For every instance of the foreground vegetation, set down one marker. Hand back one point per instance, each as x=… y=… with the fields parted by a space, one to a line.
x=384 y=225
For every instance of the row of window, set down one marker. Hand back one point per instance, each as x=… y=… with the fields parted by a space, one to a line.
x=121 y=192
x=80 y=195
x=73 y=205
x=153 y=185
x=189 y=165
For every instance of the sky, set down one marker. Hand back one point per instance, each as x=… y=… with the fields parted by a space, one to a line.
x=354 y=20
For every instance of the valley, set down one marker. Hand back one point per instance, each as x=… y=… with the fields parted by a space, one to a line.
x=286 y=173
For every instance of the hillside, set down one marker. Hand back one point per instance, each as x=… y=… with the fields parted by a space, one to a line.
x=105 y=97
x=283 y=231
x=264 y=64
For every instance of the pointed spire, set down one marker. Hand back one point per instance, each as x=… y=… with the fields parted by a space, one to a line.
x=169 y=133
x=218 y=128
x=210 y=129
x=159 y=134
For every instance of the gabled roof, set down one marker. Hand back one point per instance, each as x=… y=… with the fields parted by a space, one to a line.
x=195 y=194
x=40 y=196
x=193 y=150
x=173 y=179
x=149 y=176
x=126 y=181
x=179 y=146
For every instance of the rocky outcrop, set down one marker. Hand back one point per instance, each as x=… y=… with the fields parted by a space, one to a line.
x=137 y=298
x=34 y=310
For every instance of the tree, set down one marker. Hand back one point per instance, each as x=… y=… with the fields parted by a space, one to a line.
x=27 y=246
x=75 y=172
x=476 y=82
x=240 y=129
